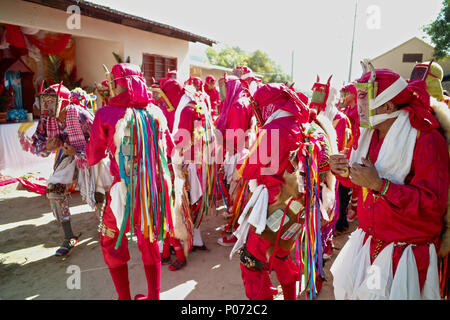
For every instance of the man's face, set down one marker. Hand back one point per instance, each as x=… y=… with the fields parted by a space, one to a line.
x=342 y=99
x=211 y=85
x=349 y=98
x=363 y=106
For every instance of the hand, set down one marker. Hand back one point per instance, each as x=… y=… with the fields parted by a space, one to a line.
x=366 y=175
x=339 y=164
x=53 y=143
x=68 y=150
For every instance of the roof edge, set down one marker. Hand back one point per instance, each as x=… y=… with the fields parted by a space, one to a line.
x=401 y=44
x=104 y=13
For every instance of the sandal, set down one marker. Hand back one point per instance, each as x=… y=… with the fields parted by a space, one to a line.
x=177 y=265
x=66 y=246
x=165 y=260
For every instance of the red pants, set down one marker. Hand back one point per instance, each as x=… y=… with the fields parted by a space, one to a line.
x=117 y=258
x=176 y=244
x=257 y=282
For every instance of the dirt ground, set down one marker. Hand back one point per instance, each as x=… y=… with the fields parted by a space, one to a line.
x=29 y=237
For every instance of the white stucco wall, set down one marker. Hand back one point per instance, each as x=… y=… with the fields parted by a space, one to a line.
x=92 y=54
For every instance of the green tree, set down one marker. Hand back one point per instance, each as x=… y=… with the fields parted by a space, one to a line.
x=439 y=32
x=259 y=61
x=227 y=57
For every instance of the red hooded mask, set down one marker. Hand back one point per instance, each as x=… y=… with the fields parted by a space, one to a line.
x=130 y=77
x=320 y=94
x=59 y=92
x=173 y=90
x=196 y=82
x=274 y=96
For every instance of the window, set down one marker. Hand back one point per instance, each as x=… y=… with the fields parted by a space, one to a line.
x=156 y=67
x=412 y=57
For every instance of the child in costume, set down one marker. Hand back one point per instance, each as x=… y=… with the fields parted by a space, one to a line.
x=64 y=128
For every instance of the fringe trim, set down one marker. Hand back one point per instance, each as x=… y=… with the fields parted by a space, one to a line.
x=442 y=113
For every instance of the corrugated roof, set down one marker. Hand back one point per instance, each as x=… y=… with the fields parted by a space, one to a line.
x=105 y=13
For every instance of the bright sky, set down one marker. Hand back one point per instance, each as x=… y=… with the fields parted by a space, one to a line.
x=319 y=32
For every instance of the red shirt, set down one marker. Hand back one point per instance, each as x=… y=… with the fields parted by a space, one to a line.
x=412 y=212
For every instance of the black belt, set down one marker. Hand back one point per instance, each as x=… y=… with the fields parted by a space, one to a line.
x=249 y=260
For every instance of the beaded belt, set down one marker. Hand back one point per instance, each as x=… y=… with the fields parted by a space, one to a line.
x=379 y=245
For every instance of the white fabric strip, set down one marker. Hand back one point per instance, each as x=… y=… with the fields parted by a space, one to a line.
x=405 y=285
x=181 y=105
x=118 y=194
x=389 y=93
x=258 y=203
x=396 y=153
x=380 y=118
x=378 y=281
x=64 y=172
x=195 y=187
x=280 y=113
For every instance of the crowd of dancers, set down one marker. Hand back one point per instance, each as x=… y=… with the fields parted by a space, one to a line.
x=290 y=171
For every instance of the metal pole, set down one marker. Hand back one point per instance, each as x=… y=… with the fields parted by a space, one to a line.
x=292 y=66
x=353 y=42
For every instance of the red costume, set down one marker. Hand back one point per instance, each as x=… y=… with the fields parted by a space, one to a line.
x=351 y=110
x=105 y=133
x=168 y=102
x=236 y=114
x=323 y=102
x=403 y=217
x=281 y=115
x=234 y=123
x=214 y=97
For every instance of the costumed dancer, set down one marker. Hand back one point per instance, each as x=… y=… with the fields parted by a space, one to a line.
x=431 y=72
x=171 y=74
x=284 y=208
x=323 y=101
x=134 y=135
x=234 y=123
x=347 y=207
x=402 y=167
x=103 y=91
x=250 y=80
x=197 y=84
x=194 y=171
x=167 y=97
x=214 y=97
x=64 y=128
